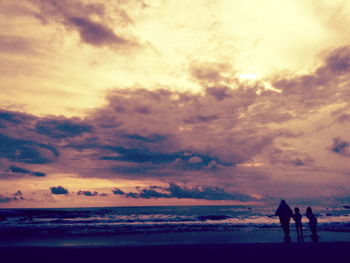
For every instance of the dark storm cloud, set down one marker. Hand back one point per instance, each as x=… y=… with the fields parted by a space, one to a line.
x=11 y=117
x=59 y=190
x=151 y=138
x=180 y=192
x=26 y=151
x=38 y=174
x=61 y=127
x=117 y=191
x=5 y=199
x=340 y=147
x=16 y=169
x=140 y=156
x=76 y=15
x=7 y=116
x=88 y=193
x=143 y=155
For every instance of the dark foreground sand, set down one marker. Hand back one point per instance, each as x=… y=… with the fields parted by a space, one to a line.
x=262 y=252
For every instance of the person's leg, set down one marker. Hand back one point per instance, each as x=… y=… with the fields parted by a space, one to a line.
x=301 y=233
x=298 y=230
x=285 y=226
x=314 y=235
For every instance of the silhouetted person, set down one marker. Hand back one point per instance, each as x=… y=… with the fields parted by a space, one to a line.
x=298 y=225
x=312 y=223
x=284 y=213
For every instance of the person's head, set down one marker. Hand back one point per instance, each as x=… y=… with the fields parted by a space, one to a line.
x=308 y=210
x=283 y=202
x=296 y=210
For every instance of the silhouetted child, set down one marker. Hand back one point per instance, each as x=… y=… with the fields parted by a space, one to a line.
x=312 y=223
x=298 y=225
x=284 y=213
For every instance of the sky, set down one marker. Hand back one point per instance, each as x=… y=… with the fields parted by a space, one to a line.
x=167 y=102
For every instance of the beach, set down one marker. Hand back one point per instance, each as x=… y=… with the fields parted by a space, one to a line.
x=206 y=246
x=254 y=252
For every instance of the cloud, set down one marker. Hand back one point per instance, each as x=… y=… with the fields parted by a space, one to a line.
x=38 y=174
x=212 y=73
x=290 y=157
x=218 y=92
x=324 y=86
x=195 y=160
x=16 y=45
x=5 y=199
x=154 y=134
x=153 y=138
x=26 y=151
x=18 y=193
x=17 y=196
x=340 y=147
x=59 y=190
x=77 y=15
x=61 y=127
x=139 y=155
x=11 y=117
x=170 y=136
x=17 y=169
x=343 y=118
x=338 y=61
x=117 y=191
x=232 y=134
x=87 y=193
x=176 y=191
x=95 y=34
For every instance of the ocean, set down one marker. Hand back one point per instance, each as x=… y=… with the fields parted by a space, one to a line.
x=125 y=226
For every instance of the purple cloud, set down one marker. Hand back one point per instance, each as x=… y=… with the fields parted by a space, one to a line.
x=58 y=190
x=88 y=193
x=229 y=133
x=76 y=15
x=17 y=196
x=176 y=191
x=340 y=147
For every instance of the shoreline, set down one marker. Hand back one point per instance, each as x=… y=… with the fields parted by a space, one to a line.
x=248 y=236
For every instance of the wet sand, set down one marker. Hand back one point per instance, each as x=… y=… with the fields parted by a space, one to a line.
x=258 y=252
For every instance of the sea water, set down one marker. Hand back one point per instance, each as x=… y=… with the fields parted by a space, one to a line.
x=130 y=224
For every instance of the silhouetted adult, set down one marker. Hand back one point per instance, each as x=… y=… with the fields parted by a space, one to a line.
x=312 y=223
x=284 y=213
